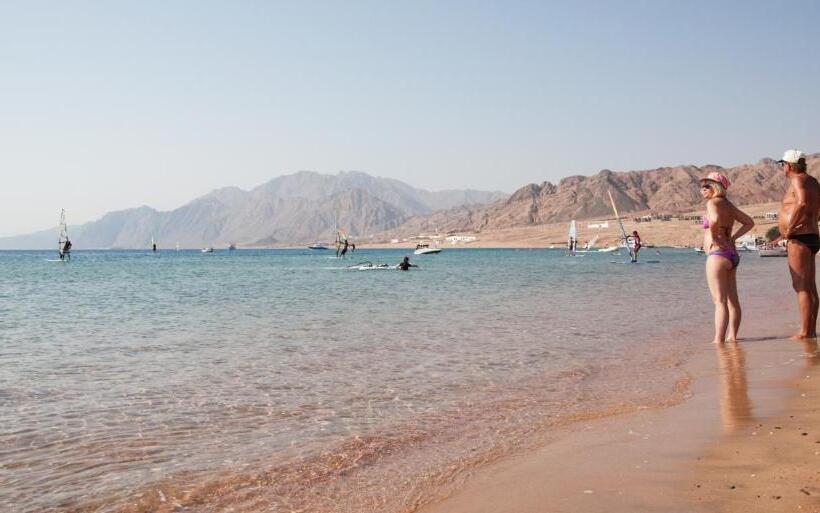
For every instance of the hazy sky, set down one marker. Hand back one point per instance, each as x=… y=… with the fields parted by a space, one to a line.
x=111 y=105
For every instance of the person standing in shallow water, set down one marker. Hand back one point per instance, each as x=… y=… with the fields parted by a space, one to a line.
x=798 y=225
x=722 y=256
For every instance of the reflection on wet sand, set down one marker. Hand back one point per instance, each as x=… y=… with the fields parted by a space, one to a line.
x=735 y=405
x=811 y=352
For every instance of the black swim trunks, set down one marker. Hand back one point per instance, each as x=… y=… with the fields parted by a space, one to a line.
x=810 y=240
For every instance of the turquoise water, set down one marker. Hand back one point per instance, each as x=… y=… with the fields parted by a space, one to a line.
x=274 y=379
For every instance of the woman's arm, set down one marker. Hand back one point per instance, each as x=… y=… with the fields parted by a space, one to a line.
x=746 y=223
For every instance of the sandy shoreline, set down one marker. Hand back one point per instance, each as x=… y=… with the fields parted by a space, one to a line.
x=737 y=445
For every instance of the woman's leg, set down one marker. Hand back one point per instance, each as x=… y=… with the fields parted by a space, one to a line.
x=717 y=269
x=734 y=307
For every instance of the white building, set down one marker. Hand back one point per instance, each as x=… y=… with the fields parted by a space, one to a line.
x=455 y=239
x=603 y=224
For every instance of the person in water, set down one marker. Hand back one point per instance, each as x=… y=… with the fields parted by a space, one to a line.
x=344 y=249
x=635 y=246
x=405 y=264
x=352 y=247
x=722 y=256
x=798 y=225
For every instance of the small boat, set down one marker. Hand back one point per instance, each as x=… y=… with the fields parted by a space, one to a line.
x=589 y=247
x=370 y=266
x=772 y=251
x=425 y=249
x=209 y=249
x=318 y=247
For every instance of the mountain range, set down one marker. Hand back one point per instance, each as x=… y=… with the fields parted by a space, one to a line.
x=298 y=208
x=303 y=207
x=665 y=190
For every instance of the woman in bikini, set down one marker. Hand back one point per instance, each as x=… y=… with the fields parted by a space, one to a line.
x=723 y=258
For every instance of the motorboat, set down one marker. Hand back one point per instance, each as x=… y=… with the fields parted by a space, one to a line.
x=772 y=251
x=209 y=249
x=318 y=246
x=425 y=249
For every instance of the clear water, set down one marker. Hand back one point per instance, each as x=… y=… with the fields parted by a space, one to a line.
x=277 y=380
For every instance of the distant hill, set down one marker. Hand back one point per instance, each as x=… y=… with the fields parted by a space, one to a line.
x=289 y=209
x=663 y=190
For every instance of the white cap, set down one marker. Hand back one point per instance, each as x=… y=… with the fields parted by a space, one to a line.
x=792 y=156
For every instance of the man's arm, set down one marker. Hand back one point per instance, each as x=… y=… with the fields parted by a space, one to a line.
x=799 y=188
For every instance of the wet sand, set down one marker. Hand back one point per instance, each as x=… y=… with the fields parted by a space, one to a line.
x=748 y=439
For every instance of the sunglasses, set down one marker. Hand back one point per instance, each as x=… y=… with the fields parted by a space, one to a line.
x=706 y=187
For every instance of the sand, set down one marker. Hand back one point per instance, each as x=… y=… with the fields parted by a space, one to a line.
x=747 y=440
x=659 y=233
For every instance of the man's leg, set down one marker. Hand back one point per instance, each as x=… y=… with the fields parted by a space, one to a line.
x=801 y=267
x=812 y=282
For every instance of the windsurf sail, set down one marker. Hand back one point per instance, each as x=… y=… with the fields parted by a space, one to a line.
x=624 y=236
x=63 y=242
x=572 y=236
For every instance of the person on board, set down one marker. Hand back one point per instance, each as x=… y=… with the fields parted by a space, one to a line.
x=405 y=264
x=572 y=245
x=352 y=247
x=65 y=251
x=634 y=245
x=798 y=218
x=344 y=249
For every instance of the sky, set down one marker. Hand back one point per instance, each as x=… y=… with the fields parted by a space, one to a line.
x=113 y=105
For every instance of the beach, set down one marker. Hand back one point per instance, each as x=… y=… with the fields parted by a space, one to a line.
x=510 y=380
x=746 y=439
x=669 y=233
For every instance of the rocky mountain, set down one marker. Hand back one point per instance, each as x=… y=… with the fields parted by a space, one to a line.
x=289 y=209
x=663 y=190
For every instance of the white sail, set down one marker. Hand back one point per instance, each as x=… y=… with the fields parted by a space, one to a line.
x=63 y=242
x=624 y=236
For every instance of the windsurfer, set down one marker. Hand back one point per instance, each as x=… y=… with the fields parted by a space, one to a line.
x=634 y=245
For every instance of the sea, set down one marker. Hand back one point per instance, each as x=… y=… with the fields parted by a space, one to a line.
x=281 y=380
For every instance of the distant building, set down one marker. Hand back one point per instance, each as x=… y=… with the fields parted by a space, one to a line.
x=771 y=216
x=603 y=224
x=455 y=239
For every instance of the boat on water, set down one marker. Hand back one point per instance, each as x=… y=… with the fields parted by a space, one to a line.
x=63 y=242
x=209 y=249
x=425 y=249
x=318 y=247
x=772 y=250
x=589 y=247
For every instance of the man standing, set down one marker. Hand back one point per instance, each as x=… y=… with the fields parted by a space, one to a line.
x=798 y=225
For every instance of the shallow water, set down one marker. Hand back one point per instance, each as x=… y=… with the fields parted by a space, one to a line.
x=277 y=380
